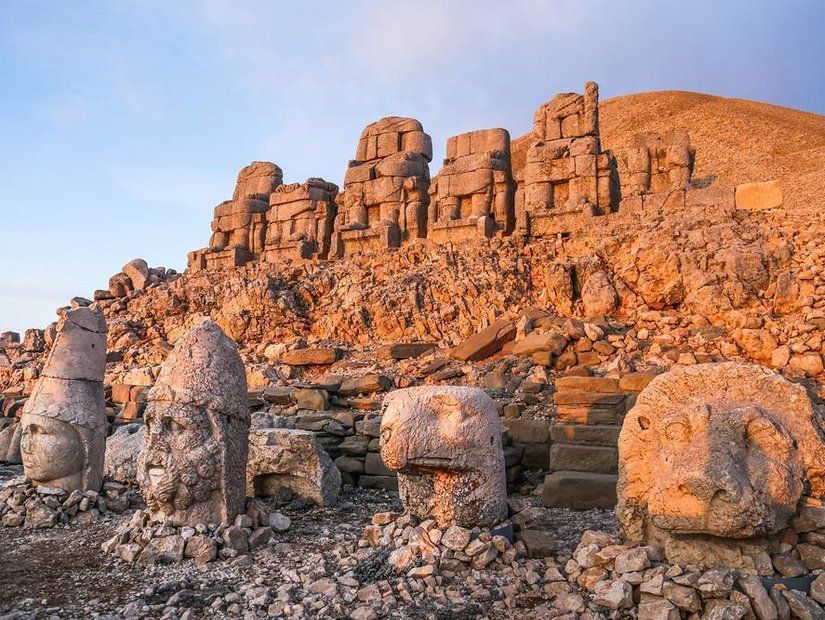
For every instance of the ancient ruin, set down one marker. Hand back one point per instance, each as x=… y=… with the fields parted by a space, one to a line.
x=192 y=465
x=239 y=225
x=385 y=197
x=63 y=423
x=472 y=195
x=576 y=374
x=566 y=176
x=713 y=462
x=445 y=444
x=300 y=219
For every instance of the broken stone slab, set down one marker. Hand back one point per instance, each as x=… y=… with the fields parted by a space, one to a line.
x=485 y=343
x=406 y=350
x=602 y=385
x=291 y=460
x=552 y=342
x=311 y=357
x=368 y=384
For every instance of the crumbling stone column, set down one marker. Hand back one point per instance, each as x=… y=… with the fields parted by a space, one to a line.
x=300 y=220
x=566 y=176
x=472 y=195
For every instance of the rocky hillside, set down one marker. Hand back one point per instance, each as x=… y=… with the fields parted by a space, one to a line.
x=703 y=278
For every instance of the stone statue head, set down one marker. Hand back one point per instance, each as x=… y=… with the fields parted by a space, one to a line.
x=445 y=444
x=725 y=450
x=192 y=465
x=63 y=423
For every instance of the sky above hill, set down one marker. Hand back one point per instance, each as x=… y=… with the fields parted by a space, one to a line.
x=124 y=123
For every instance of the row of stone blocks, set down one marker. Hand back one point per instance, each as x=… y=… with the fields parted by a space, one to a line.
x=584 y=456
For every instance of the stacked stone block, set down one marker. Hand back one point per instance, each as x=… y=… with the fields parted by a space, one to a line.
x=567 y=175
x=239 y=225
x=656 y=162
x=472 y=195
x=131 y=400
x=385 y=197
x=584 y=455
x=300 y=220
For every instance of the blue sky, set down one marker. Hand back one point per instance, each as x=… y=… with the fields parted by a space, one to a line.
x=124 y=123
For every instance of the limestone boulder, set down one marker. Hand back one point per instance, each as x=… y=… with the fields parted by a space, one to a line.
x=599 y=297
x=138 y=273
x=445 y=444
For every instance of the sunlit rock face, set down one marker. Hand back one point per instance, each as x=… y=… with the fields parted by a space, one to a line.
x=192 y=464
x=445 y=444
x=723 y=450
x=64 y=421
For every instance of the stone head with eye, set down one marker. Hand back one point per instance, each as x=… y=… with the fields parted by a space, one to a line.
x=725 y=450
x=63 y=424
x=445 y=444
x=192 y=465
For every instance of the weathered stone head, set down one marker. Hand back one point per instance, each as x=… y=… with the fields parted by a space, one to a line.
x=192 y=465
x=445 y=444
x=723 y=450
x=64 y=421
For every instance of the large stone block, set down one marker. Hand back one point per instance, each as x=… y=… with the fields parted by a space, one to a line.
x=579 y=490
x=290 y=460
x=485 y=343
x=759 y=196
x=523 y=430
x=594 y=459
x=311 y=357
x=599 y=435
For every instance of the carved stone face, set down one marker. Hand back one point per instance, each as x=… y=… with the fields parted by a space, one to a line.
x=729 y=472
x=53 y=452
x=181 y=462
x=725 y=450
x=192 y=464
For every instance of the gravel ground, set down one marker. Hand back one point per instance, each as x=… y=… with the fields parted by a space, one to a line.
x=63 y=573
